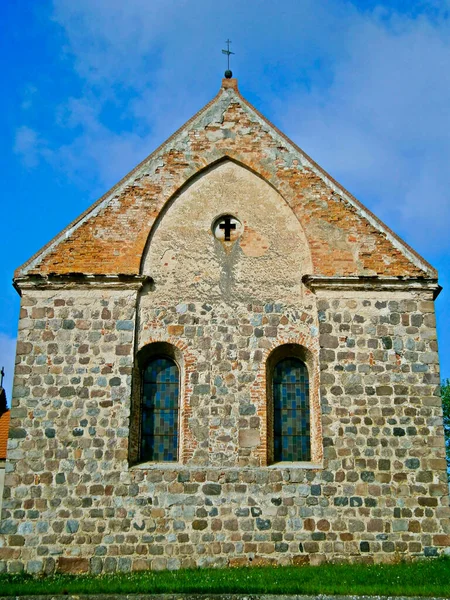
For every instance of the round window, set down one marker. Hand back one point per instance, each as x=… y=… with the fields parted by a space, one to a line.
x=227 y=228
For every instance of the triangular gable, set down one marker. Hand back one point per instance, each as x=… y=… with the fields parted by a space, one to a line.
x=345 y=238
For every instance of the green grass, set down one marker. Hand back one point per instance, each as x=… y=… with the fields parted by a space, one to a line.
x=423 y=578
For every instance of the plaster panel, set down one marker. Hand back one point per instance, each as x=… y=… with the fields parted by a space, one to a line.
x=187 y=262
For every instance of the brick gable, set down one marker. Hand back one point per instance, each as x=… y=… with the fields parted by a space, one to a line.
x=344 y=237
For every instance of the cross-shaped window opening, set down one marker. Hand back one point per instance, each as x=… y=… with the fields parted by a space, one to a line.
x=227 y=226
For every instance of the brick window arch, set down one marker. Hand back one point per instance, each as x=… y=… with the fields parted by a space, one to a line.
x=291 y=415
x=293 y=428
x=159 y=413
x=156 y=407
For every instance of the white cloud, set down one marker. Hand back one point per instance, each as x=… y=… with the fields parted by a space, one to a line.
x=30 y=147
x=110 y=40
x=28 y=97
x=381 y=126
x=7 y=360
x=156 y=63
x=364 y=92
x=103 y=155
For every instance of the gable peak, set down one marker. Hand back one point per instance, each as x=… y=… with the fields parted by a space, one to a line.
x=230 y=83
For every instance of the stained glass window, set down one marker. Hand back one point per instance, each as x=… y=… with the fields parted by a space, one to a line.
x=291 y=411
x=159 y=439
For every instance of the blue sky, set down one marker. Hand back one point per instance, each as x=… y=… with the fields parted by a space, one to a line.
x=91 y=87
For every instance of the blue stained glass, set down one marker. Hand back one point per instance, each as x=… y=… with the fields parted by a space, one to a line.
x=291 y=411
x=159 y=428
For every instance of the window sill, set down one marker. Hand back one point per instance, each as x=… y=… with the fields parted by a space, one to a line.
x=167 y=466
x=295 y=465
x=156 y=465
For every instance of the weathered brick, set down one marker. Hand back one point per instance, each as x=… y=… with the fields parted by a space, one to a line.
x=72 y=566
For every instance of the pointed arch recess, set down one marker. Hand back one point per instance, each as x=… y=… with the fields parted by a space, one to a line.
x=196 y=177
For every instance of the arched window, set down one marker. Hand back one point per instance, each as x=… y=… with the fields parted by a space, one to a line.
x=291 y=418
x=159 y=413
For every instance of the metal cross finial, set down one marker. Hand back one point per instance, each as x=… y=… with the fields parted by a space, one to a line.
x=228 y=73
x=2 y=373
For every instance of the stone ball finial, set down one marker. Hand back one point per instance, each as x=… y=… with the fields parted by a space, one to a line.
x=228 y=74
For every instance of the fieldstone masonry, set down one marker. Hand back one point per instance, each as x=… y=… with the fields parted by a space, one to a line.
x=313 y=274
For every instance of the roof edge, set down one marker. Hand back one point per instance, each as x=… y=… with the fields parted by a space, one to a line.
x=367 y=212
x=54 y=281
x=19 y=271
x=374 y=283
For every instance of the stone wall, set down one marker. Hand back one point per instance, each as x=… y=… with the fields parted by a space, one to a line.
x=72 y=502
x=69 y=421
x=382 y=419
x=2 y=479
x=309 y=267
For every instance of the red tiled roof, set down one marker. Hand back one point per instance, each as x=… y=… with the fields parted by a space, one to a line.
x=4 y=429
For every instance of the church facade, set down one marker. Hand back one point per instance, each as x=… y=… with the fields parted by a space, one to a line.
x=227 y=360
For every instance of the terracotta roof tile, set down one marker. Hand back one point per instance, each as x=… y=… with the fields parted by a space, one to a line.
x=4 y=430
